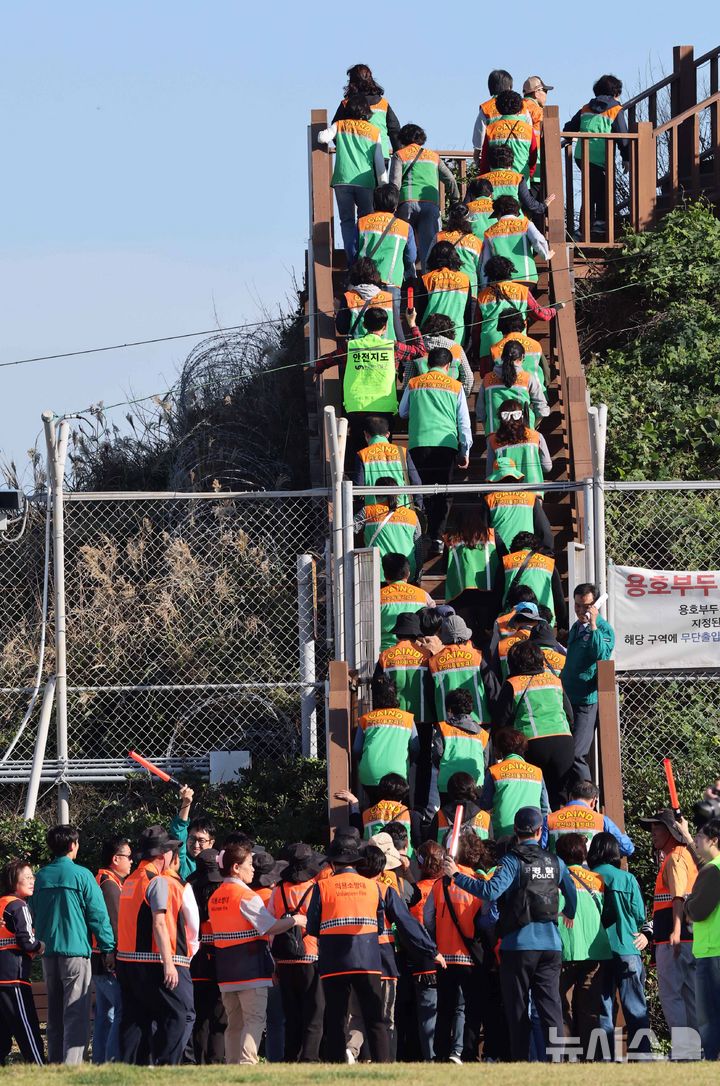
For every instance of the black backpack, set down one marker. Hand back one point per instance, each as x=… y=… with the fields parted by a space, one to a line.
x=289 y=945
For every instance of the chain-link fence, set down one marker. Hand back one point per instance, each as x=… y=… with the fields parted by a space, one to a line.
x=183 y=629
x=666 y=713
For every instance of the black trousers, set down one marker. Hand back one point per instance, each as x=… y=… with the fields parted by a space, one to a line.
x=19 y=1020
x=523 y=972
x=470 y=979
x=147 y=1002
x=208 y=1035
x=554 y=754
x=366 y=989
x=303 y=1003
x=435 y=465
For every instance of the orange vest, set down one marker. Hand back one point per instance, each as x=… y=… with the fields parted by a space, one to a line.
x=241 y=952
x=7 y=937
x=382 y=812
x=136 y=941
x=574 y=818
x=662 y=905
x=294 y=893
x=449 y=941
x=424 y=887
x=348 y=904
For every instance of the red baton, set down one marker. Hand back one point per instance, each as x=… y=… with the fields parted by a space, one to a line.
x=454 y=838
x=411 y=297
x=670 y=778
x=153 y=768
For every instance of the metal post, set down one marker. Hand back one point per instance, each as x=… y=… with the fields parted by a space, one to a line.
x=333 y=436
x=348 y=577
x=57 y=440
x=306 y=644
x=589 y=529
x=39 y=751
x=601 y=559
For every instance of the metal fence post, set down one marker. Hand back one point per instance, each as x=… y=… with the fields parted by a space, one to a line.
x=39 y=751
x=306 y=643
x=336 y=444
x=57 y=439
x=589 y=527
x=349 y=578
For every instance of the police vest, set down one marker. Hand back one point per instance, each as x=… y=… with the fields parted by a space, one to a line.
x=535 y=896
x=481 y=215
x=450 y=942
x=392 y=532
x=525 y=453
x=382 y=459
x=398 y=598
x=242 y=954
x=469 y=250
x=537 y=574
x=369 y=381
x=136 y=941
x=447 y=293
x=706 y=933
x=420 y=175
x=511 y=512
x=464 y=752
x=496 y=392
x=497 y=300
x=515 y=132
x=509 y=238
x=386 y=739
x=477 y=821
x=349 y=936
x=387 y=253
x=356 y=305
x=8 y=939
x=662 y=905
x=539 y=706
x=433 y=407
x=574 y=818
x=285 y=898
x=531 y=363
x=406 y=664
x=355 y=142
x=471 y=567
x=457 y=667
x=517 y=784
x=597 y=149
x=375 y=818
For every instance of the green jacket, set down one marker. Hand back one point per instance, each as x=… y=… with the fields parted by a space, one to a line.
x=179 y=830
x=67 y=905
x=584 y=648
x=624 y=904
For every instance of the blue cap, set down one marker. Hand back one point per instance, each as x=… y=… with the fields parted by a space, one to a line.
x=528 y=610
x=528 y=820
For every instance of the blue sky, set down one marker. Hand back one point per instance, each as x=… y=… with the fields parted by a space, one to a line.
x=154 y=174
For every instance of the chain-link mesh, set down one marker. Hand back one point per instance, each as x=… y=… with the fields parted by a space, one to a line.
x=182 y=625
x=663 y=529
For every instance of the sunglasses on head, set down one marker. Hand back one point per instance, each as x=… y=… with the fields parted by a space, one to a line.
x=505 y=415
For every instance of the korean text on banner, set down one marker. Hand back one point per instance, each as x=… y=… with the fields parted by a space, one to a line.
x=665 y=619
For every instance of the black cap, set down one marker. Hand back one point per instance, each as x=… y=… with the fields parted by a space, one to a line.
x=528 y=820
x=206 y=865
x=267 y=871
x=407 y=625
x=303 y=862
x=342 y=850
x=155 y=841
x=667 y=819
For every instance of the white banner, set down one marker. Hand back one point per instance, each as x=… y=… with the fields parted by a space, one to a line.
x=664 y=618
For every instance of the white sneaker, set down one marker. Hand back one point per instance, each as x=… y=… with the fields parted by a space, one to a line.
x=349 y=1058
x=455 y=1058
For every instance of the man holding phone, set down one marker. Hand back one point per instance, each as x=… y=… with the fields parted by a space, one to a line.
x=590 y=639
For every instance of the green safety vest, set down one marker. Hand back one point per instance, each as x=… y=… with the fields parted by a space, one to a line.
x=447 y=293
x=480 y=214
x=517 y=784
x=539 y=709
x=469 y=253
x=496 y=300
x=532 y=362
x=379 y=119
x=479 y=823
x=421 y=177
x=526 y=455
x=509 y=238
x=596 y=122
x=457 y=667
x=471 y=567
x=388 y=252
x=516 y=133
x=537 y=574
x=406 y=665
x=396 y=599
x=392 y=533
x=463 y=753
x=496 y=393
x=587 y=940
x=370 y=379
x=511 y=512
x=355 y=154
x=356 y=305
x=387 y=734
x=421 y=366
x=433 y=400
x=706 y=933
x=504 y=183
x=381 y=460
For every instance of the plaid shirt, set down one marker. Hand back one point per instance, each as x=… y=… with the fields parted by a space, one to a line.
x=404 y=352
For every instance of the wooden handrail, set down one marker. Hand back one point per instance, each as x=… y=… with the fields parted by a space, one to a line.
x=682 y=117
